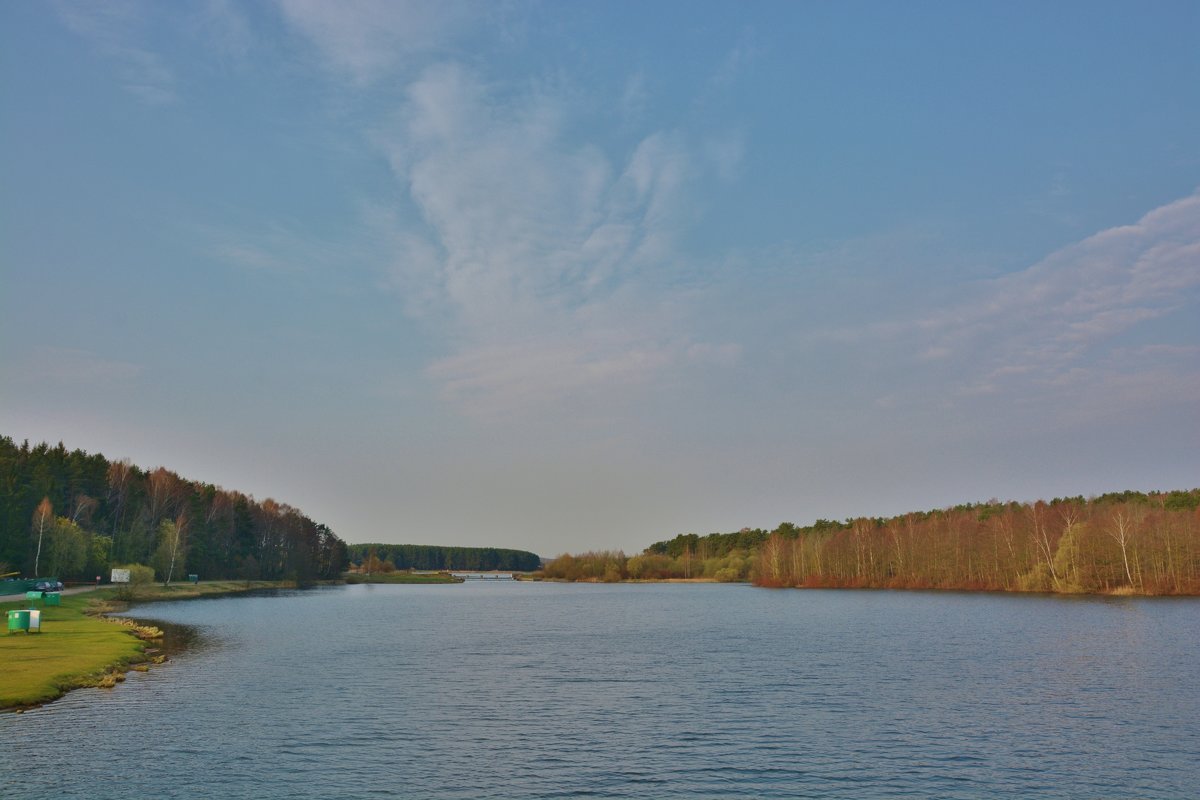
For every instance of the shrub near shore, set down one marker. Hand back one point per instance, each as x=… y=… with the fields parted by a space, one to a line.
x=612 y=566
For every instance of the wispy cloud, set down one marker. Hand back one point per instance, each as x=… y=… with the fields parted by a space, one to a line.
x=365 y=40
x=490 y=380
x=115 y=29
x=285 y=249
x=634 y=99
x=1060 y=328
x=542 y=262
x=1048 y=316
x=743 y=52
x=226 y=28
x=539 y=250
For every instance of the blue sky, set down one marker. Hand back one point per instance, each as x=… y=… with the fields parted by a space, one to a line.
x=567 y=276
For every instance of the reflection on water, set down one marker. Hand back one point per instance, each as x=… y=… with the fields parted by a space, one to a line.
x=541 y=690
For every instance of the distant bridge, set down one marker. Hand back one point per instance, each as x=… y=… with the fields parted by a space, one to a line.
x=484 y=576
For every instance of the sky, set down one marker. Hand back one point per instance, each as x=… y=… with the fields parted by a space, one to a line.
x=570 y=276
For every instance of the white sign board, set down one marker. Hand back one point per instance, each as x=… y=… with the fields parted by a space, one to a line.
x=120 y=576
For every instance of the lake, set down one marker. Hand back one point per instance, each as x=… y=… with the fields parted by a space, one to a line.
x=483 y=690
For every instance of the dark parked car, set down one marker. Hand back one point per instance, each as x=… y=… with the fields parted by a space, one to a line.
x=48 y=586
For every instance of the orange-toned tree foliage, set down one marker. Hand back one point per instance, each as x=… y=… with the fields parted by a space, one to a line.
x=1124 y=543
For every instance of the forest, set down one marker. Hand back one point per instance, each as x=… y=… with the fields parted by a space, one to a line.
x=1117 y=543
x=390 y=557
x=74 y=515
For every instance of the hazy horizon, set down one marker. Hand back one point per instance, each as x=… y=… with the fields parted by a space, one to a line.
x=558 y=278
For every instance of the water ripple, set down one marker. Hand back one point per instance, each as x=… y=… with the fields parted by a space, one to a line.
x=546 y=691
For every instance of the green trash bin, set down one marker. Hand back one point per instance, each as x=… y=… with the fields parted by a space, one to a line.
x=18 y=620
x=31 y=596
x=52 y=598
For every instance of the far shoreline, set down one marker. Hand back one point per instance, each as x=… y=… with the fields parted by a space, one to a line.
x=1122 y=592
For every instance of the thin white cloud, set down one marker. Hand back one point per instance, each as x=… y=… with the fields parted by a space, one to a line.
x=284 y=249
x=115 y=30
x=1094 y=331
x=538 y=250
x=1059 y=336
x=503 y=379
x=365 y=40
x=1151 y=351
x=725 y=153
x=635 y=99
x=743 y=52
x=1078 y=295
x=226 y=28
x=1047 y=317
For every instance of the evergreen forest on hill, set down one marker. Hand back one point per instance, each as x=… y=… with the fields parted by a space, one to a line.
x=390 y=557
x=1122 y=543
x=75 y=515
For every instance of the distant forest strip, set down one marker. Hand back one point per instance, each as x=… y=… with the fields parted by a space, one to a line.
x=389 y=557
x=1123 y=543
x=73 y=515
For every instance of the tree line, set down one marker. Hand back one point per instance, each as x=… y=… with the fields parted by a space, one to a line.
x=1127 y=542
x=389 y=557
x=725 y=557
x=1122 y=542
x=71 y=514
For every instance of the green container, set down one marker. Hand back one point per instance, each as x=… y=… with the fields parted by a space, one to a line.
x=52 y=598
x=34 y=595
x=18 y=620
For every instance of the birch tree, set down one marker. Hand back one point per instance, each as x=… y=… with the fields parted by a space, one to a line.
x=1121 y=530
x=43 y=520
x=171 y=544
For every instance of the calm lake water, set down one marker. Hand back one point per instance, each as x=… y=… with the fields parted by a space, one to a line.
x=655 y=691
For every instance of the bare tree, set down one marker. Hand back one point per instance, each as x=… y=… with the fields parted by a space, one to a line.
x=181 y=524
x=1069 y=514
x=799 y=563
x=1121 y=530
x=1041 y=538
x=162 y=493
x=82 y=508
x=772 y=559
x=43 y=519
x=119 y=474
x=173 y=535
x=221 y=504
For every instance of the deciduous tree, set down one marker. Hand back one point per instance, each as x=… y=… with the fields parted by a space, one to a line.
x=43 y=521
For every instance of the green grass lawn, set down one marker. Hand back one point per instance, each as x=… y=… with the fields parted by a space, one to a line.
x=155 y=592
x=78 y=649
x=72 y=650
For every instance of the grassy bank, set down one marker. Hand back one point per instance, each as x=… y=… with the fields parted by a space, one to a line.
x=78 y=647
x=75 y=649
x=156 y=592
x=400 y=577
